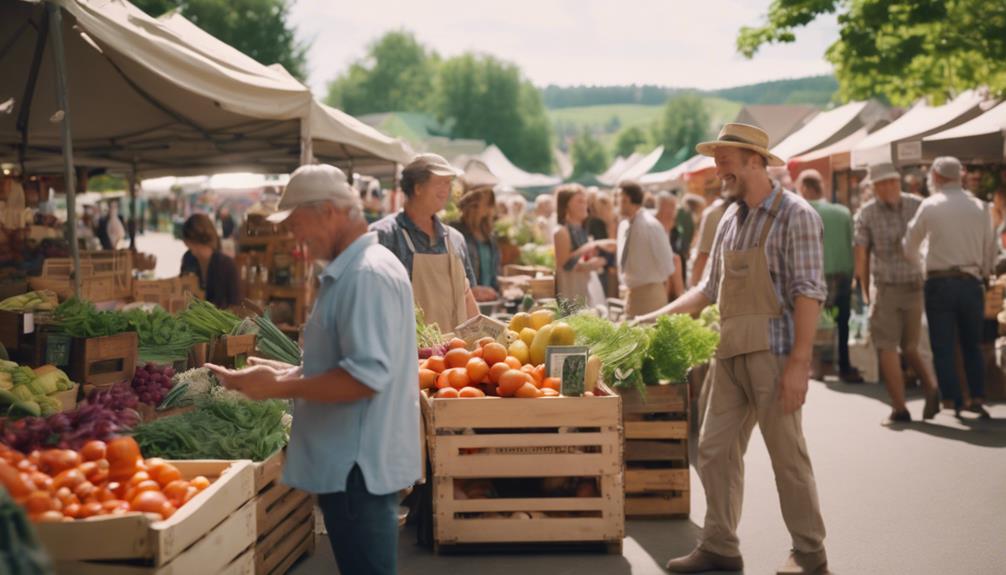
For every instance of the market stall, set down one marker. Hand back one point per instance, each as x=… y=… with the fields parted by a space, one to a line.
x=834 y=162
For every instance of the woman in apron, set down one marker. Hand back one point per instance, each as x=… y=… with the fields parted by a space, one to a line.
x=434 y=255
x=576 y=255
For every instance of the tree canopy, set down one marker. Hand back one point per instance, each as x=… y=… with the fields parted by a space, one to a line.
x=685 y=123
x=589 y=156
x=259 y=28
x=899 y=49
x=632 y=139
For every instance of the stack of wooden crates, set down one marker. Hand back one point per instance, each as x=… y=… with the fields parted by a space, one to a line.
x=656 y=451
x=273 y=267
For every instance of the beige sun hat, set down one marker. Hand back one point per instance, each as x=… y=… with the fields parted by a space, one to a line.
x=743 y=136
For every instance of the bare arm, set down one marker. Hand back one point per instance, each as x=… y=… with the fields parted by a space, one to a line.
x=793 y=385
x=692 y=302
x=564 y=252
x=861 y=255
x=698 y=268
x=263 y=382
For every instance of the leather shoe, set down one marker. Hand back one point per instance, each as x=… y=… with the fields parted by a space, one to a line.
x=851 y=376
x=800 y=563
x=898 y=417
x=932 y=406
x=700 y=561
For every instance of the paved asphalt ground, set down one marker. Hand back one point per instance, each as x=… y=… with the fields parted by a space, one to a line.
x=925 y=498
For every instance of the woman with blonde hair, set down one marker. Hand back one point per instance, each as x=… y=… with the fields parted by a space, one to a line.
x=576 y=255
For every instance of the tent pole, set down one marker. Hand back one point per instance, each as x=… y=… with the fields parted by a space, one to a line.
x=133 y=209
x=62 y=94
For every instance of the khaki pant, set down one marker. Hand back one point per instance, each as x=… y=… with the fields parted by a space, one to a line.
x=745 y=392
x=896 y=316
x=645 y=299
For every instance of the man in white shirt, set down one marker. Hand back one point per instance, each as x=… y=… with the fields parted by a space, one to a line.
x=960 y=258
x=645 y=258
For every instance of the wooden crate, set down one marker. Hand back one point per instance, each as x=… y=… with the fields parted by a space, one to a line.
x=209 y=534
x=102 y=361
x=104 y=276
x=656 y=451
x=284 y=519
x=171 y=294
x=231 y=350
x=526 y=440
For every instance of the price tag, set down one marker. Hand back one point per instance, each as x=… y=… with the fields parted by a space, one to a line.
x=29 y=323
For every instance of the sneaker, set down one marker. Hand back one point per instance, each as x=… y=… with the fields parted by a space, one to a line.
x=700 y=561
x=898 y=417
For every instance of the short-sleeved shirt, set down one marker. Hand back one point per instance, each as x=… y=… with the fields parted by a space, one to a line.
x=391 y=230
x=363 y=322
x=644 y=254
x=881 y=228
x=959 y=228
x=793 y=249
x=837 y=237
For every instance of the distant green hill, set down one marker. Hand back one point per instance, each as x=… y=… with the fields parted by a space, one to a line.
x=814 y=91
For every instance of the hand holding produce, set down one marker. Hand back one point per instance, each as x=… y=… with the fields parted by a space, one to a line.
x=101 y=479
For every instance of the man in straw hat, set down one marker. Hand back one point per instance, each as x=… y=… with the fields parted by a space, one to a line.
x=892 y=286
x=766 y=274
x=961 y=255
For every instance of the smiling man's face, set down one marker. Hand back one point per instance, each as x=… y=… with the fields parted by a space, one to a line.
x=735 y=168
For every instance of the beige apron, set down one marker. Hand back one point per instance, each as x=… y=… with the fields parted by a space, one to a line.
x=747 y=297
x=438 y=285
x=645 y=299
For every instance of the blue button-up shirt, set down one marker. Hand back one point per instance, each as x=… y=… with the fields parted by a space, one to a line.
x=391 y=230
x=363 y=322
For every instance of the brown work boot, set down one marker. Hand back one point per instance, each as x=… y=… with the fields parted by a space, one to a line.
x=800 y=563
x=700 y=561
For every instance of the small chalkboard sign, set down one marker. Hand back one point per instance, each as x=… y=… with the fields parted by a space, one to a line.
x=568 y=363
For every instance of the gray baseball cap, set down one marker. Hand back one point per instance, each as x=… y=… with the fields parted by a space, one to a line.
x=309 y=184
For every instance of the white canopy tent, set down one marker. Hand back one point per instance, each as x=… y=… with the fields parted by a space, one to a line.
x=900 y=142
x=641 y=167
x=675 y=174
x=508 y=174
x=824 y=129
x=981 y=140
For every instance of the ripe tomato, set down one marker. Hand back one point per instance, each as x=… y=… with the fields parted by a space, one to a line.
x=457 y=343
x=148 y=502
x=122 y=452
x=478 y=370
x=93 y=450
x=457 y=357
x=498 y=370
x=436 y=363
x=199 y=482
x=493 y=353
x=175 y=491
x=511 y=381
x=164 y=473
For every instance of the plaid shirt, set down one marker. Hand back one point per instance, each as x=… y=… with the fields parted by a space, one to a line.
x=794 y=250
x=880 y=228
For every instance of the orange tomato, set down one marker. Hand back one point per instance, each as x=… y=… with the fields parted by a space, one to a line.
x=41 y=481
x=513 y=362
x=93 y=450
x=478 y=352
x=530 y=370
x=493 y=353
x=53 y=461
x=552 y=383
x=549 y=392
x=114 y=505
x=457 y=377
x=447 y=393
x=427 y=378
x=478 y=369
x=70 y=478
x=471 y=392
x=485 y=341
x=137 y=478
x=38 y=502
x=164 y=473
x=66 y=496
x=436 y=363
x=90 y=509
x=457 y=343
x=148 y=502
x=144 y=486
x=122 y=451
x=511 y=381
x=528 y=390
x=457 y=357
x=199 y=482
x=498 y=370
x=189 y=494
x=14 y=481
x=167 y=509
x=175 y=491
x=47 y=517
x=72 y=510
x=539 y=374
x=85 y=490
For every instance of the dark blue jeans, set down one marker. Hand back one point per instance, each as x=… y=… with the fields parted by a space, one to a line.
x=362 y=528
x=955 y=308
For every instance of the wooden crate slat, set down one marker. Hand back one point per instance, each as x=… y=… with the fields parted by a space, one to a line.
x=306 y=547
x=659 y=506
x=290 y=502
x=269 y=470
x=656 y=450
x=656 y=430
x=555 y=529
x=520 y=440
x=267 y=559
x=525 y=465
x=656 y=480
x=282 y=530
x=667 y=398
x=505 y=413
x=451 y=506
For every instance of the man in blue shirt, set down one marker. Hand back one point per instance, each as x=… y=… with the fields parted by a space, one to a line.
x=356 y=401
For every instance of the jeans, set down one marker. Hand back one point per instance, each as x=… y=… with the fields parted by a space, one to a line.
x=840 y=296
x=955 y=307
x=362 y=528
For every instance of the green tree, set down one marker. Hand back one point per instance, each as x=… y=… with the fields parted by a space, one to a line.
x=684 y=123
x=259 y=28
x=485 y=98
x=589 y=156
x=397 y=74
x=632 y=139
x=899 y=49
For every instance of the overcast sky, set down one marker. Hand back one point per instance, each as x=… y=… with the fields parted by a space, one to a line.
x=683 y=43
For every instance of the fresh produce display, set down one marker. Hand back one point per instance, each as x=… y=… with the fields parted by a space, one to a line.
x=42 y=300
x=27 y=392
x=152 y=382
x=206 y=322
x=429 y=339
x=678 y=343
x=21 y=552
x=187 y=386
x=272 y=343
x=101 y=479
x=711 y=316
x=621 y=348
x=220 y=427
x=163 y=337
x=530 y=334
x=106 y=413
x=80 y=318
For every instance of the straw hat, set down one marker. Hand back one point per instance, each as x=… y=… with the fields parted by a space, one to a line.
x=741 y=136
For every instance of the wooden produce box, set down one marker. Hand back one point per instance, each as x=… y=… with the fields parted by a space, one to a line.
x=103 y=361
x=993 y=301
x=68 y=398
x=656 y=451
x=104 y=276
x=212 y=533
x=171 y=294
x=526 y=440
x=520 y=270
x=231 y=350
x=284 y=519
